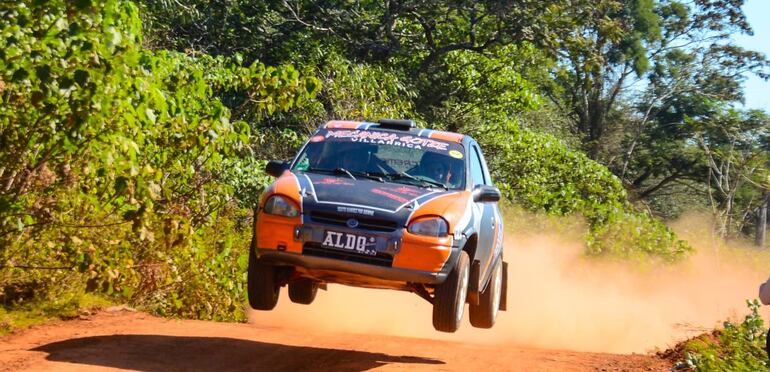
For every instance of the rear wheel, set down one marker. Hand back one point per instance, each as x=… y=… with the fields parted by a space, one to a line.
x=303 y=291
x=484 y=314
x=262 y=285
x=449 y=300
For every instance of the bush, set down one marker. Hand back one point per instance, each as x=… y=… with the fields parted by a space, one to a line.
x=635 y=235
x=736 y=347
x=120 y=168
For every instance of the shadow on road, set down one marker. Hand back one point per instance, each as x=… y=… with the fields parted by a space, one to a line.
x=166 y=353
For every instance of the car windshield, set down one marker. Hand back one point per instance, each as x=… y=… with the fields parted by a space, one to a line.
x=384 y=156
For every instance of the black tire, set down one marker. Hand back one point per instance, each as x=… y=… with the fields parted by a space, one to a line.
x=485 y=313
x=450 y=297
x=303 y=291
x=261 y=284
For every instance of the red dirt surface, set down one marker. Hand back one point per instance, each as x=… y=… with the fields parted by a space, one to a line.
x=128 y=340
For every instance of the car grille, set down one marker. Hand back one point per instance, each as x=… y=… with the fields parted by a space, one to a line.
x=316 y=250
x=372 y=224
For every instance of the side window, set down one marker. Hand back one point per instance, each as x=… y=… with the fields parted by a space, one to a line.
x=477 y=172
x=485 y=168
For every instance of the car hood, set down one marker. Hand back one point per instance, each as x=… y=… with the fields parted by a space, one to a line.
x=362 y=197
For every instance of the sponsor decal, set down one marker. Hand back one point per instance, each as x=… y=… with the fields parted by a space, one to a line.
x=406 y=190
x=318 y=138
x=334 y=181
x=389 y=195
x=456 y=154
x=382 y=138
x=365 y=212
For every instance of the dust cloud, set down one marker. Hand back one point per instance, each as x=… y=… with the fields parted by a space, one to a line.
x=559 y=299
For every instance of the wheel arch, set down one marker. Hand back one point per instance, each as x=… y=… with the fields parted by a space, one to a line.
x=474 y=277
x=470 y=246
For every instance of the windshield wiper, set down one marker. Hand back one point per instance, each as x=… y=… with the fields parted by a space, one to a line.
x=423 y=181
x=369 y=175
x=351 y=174
x=319 y=170
x=332 y=171
x=345 y=171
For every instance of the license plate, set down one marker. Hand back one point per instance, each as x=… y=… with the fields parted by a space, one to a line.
x=350 y=242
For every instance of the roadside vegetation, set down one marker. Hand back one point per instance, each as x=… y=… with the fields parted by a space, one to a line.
x=734 y=347
x=133 y=134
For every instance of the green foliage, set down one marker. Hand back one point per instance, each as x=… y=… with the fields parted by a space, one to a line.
x=635 y=235
x=542 y=174
x=439 y=51
x=359 y=91
x=490 y=82
x=736 y=347
x=348 y=90
x=204 y=279
x=119 y=165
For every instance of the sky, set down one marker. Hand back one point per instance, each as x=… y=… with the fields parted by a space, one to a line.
x=757 y=90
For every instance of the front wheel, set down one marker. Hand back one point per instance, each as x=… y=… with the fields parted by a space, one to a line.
x=484 y=314
x=261 y=284
x=449 y=300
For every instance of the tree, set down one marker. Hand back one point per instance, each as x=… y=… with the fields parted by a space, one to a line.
x=614 y=45
x=427 y=43
x=683 y=86
x=735 y=145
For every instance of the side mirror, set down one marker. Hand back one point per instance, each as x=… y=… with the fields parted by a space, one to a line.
x=486 y=194
x=276 y=168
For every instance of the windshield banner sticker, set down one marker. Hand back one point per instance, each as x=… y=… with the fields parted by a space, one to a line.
x=382 y=138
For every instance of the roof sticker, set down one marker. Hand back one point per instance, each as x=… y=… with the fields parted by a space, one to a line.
x=446 y=136
x=343 y=124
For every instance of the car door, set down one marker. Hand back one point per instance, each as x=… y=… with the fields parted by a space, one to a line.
x=488 y=218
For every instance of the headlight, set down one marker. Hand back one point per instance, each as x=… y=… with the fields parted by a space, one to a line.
x=431 y=226
x=281 y=206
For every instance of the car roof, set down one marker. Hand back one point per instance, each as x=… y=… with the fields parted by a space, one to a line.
x=420 y=132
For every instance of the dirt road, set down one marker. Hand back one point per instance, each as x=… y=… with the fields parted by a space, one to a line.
x=136 y=341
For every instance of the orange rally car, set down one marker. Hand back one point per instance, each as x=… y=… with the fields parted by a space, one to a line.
x=383 y=205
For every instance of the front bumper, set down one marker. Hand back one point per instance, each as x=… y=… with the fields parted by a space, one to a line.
x=415 y=259
x=321 y=263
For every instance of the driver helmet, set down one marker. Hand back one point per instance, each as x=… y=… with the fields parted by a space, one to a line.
x=355 y=157
x=435 y=166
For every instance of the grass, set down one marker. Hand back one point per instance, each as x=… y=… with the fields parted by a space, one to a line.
x=24 y=315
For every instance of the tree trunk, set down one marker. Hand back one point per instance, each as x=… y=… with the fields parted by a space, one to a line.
x=759 y=238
